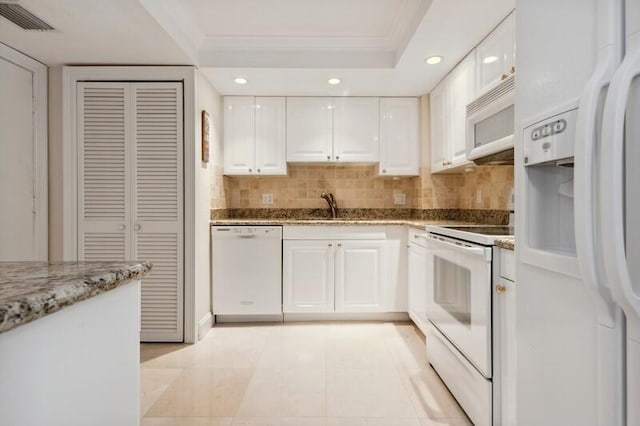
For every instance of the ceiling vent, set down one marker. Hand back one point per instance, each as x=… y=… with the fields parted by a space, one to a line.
x=23 y=18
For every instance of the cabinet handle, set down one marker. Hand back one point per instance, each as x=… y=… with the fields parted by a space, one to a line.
x=500 y=289
x=504 y=76
x=384 y=170
x=258 y=170
x=328 y=157
x=339 y=245
x=330 y=245
x=137 y=227
x=513 y=70
x=250 y=170
x=122 y=227
x=337 y=157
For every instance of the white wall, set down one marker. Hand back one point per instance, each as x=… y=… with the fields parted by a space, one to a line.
x=208 y=99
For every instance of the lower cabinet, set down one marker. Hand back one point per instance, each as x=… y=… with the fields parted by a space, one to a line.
x=417 y=261
x=334 y=276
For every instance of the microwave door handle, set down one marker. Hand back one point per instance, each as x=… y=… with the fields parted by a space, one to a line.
x=612 y=192
x=475 y=251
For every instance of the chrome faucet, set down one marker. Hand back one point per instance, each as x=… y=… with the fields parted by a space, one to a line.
x=332 y=203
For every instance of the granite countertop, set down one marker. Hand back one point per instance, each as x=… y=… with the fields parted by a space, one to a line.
x=31 y=290
x=416 y=223
x=508 y=243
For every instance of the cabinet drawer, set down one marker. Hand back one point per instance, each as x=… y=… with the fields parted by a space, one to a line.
x=416 y=236
x=507 y=264
x=469 y=387
x=334 y=232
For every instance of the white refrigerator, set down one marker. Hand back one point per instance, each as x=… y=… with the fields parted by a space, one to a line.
x=578 y=212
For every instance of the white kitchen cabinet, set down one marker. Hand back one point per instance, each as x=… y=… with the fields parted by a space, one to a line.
x=505 y=338
x=130 y=190
x=495 y=56
x=448 y=103
x=308 y=276
x=323 y=129
x=417 y=265
x=360 y=276
x=309 y=129
x=399 y=137
x=355 y=129
x=254 y=135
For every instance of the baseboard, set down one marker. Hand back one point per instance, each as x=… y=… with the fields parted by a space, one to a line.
x=340 y=316
x=204 y=325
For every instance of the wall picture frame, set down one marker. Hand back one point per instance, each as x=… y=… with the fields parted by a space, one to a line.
x=206 y=133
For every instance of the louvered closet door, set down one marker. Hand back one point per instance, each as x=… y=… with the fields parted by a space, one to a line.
x=157 y=216
x=103 y=175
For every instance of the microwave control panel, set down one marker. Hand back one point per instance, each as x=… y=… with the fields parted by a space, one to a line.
x=551 y=139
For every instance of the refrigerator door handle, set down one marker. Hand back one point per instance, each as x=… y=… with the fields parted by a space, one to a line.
x=612 y=192
x=585 y=183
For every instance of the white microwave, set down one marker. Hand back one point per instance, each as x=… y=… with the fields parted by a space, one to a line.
x=491 y=121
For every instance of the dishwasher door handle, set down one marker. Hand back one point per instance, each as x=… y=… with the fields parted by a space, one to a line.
x=247 y=236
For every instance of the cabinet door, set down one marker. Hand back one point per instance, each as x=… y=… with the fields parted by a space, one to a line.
x=495 y=56
x=439 y=142
x=309 y=129
x=308 y=271
x=103 y=176
x=356 y=129
x=505 y=297
x=399 y=137
x=157 y=207
x=418 y=285
x=360 y=276
x=239 y=135
x=460 y=92
x=271 y=148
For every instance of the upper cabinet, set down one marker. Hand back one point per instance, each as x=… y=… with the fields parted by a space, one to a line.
x=309 y=129
x=332 y=129
x=448 y=103
x=355 y=129
x=399 y=137
x=495 y=56
x=254 y=135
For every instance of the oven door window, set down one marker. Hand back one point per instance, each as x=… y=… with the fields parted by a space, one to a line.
x=452 y=290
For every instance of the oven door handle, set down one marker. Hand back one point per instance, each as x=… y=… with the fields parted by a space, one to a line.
x=475 y=251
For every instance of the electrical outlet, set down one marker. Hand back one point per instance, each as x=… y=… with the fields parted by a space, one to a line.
x=399 y=198
x=479 y=196
x=267 y=198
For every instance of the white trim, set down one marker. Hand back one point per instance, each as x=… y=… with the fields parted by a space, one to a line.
x=343 y=316
x=186 y=74
x=204 y=325
x=40 y=142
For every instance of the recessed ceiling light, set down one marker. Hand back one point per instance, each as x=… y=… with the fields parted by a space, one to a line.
x=240 y=80
x=490 y=59
x=432 y=60
x=334 y=81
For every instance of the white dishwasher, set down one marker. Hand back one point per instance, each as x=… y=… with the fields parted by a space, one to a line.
x=246 y=270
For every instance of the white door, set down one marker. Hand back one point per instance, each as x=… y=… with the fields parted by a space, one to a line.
x=270 y=140
x=399 y=137
x=104 y=171
x=157 y=200
x=23 y=172
x=461 y=92
x=239 y=135
x=356 y=129
x=309 y=129
x=495 y=56
x=308 y=276
x=439 y=127
x=418 y=285
x=361 y=276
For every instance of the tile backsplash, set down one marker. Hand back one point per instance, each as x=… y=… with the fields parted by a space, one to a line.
x=354 y=186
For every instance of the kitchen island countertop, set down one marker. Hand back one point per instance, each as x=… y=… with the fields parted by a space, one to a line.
x=31 y=290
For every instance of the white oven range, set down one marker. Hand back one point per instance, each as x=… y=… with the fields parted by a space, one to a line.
x=461 y=263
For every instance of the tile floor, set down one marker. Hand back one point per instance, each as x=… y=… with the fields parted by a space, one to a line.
x=296 y=374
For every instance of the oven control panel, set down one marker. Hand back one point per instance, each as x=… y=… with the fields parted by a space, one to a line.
x=551 y=139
